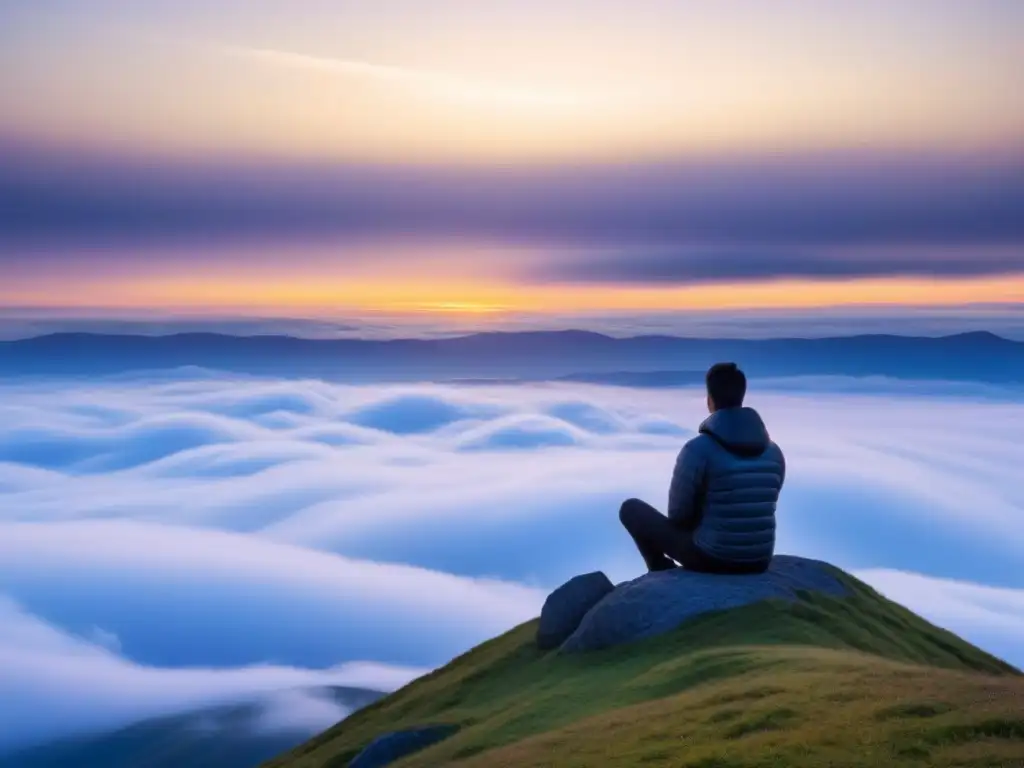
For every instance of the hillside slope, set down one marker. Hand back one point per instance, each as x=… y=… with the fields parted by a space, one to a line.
x=853 y=681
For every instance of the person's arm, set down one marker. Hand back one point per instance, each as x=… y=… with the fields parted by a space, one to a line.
x=687 y=481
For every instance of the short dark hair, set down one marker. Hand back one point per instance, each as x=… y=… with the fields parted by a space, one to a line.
x=727 y=385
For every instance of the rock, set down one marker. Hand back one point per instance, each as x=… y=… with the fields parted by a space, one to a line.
x=390 y=747
x=659 y=602
x=567 y=605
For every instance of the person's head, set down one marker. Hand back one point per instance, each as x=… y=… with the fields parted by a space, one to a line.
x=727 y=386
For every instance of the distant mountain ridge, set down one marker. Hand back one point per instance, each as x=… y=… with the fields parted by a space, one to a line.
x=547 y=355
x=228 y=736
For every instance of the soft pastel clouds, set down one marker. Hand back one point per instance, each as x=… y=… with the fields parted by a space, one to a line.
x=513 y=80
x=531 y=156
x=789 y=233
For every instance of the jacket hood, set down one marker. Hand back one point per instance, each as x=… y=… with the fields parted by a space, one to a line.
x=739 y=430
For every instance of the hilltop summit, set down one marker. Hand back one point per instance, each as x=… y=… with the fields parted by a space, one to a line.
x=816 y=668
x=659 y=602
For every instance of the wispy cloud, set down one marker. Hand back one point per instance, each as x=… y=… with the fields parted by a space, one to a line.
x=427 y=82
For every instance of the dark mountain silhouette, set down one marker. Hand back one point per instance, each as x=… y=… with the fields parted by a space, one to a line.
x=577 y=355
x=230 y=736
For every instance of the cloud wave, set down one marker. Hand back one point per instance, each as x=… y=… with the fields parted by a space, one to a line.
x=57 y=684
x=197 y=538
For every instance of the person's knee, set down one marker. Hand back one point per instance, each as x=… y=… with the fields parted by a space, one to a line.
x=628 y=510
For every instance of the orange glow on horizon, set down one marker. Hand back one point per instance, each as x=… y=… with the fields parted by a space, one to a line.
x=458 y=307
x=483 y=298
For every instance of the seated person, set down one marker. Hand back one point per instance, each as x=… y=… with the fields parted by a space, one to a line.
x=726 y=483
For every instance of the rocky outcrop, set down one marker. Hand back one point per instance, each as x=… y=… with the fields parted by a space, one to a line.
x=391 y=747
x=566 y=606
x=659 y=602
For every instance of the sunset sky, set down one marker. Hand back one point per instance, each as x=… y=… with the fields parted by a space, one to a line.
x=284 y=157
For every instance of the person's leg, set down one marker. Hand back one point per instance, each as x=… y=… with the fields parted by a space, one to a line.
x=653 y=533
x=693 y=558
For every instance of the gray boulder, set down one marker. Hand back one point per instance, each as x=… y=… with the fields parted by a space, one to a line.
x=566 y=606
x=391 y=747
x=659 y=602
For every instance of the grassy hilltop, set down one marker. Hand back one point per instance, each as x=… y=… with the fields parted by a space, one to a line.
x=854 y=681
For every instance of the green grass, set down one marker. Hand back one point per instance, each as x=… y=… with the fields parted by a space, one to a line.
x=854 y=681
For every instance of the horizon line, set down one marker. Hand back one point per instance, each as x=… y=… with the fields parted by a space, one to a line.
x=528 y=332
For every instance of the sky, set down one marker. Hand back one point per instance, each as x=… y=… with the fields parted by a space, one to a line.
x=195 y=538
x=315 y=158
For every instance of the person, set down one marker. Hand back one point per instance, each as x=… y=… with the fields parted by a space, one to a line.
x=724 y=491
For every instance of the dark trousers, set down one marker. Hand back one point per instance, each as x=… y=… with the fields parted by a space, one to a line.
x=661 y=541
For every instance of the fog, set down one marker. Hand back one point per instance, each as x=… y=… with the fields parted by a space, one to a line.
x=175 y=542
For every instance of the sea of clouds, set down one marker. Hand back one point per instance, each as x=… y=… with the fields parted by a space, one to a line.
x=193 y=539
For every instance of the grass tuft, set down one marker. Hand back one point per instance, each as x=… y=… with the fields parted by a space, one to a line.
x=754 y=694
x=997 y=728
x=920 y=710
x=774 y=720
x=716 y=762
x=725 y=716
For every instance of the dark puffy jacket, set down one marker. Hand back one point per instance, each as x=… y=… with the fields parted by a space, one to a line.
x=726 y=485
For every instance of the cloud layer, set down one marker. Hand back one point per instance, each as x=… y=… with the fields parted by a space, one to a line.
x=696 y=220
x=57 y=684
x=196 y=539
